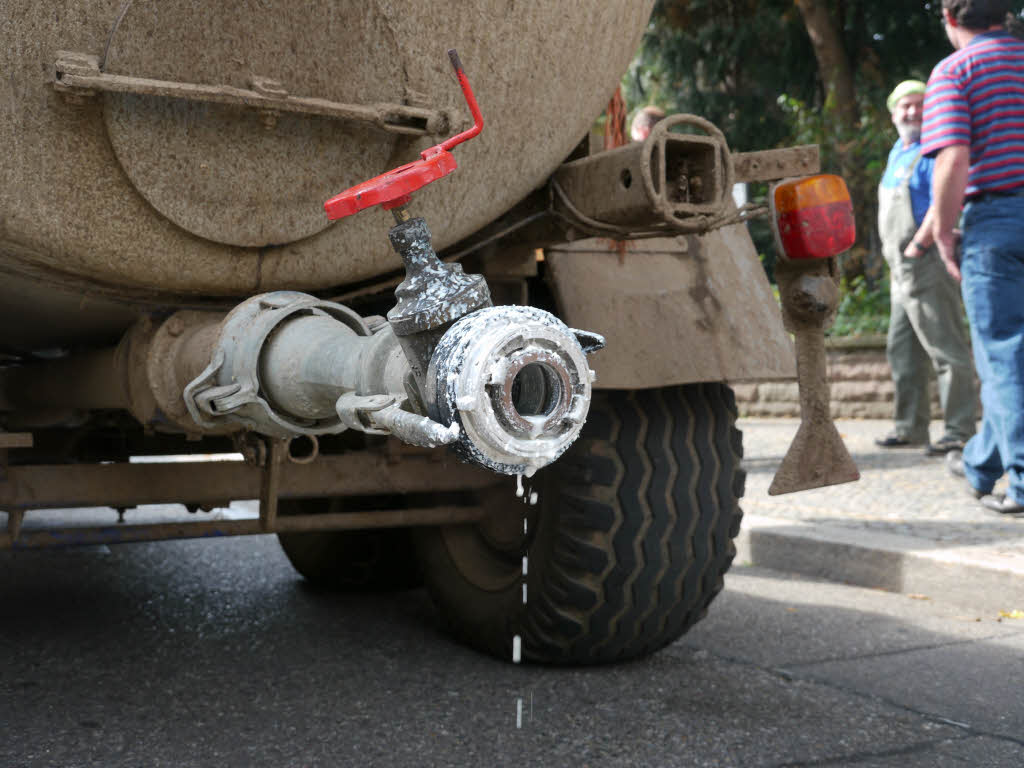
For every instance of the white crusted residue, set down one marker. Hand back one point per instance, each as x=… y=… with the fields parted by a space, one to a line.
x=517 y=649
x=519 y=486
x=467 y=403
x=473 y=358
x=536 y=425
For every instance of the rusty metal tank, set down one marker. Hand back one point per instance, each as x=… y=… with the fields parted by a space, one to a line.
x=115 y=201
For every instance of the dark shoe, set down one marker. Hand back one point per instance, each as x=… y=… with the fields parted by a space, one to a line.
x=944 y=445
x=1004 y=505
x=893 y=440
x=955 y=465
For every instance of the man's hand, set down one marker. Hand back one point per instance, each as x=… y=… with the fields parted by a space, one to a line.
x=947 y=250
x=949 y=180
x=914 y=249
x=922 y=239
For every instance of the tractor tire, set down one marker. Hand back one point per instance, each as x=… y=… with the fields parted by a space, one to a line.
x=381 y=560
x=626 y=548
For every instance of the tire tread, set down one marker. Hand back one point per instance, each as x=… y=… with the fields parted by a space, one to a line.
x=675 y=513
x=634 y=536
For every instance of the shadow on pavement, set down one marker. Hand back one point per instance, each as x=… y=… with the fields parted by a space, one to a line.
x=211 y=653
x=903 y=459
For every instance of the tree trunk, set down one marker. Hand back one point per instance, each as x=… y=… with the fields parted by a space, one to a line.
x=837 y=77
x=833 y=64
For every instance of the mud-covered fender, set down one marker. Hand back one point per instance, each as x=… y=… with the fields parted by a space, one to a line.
x=674 y=310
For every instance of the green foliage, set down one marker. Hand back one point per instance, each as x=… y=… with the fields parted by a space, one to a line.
x=863 y=309
x=730 y=60
x=748 y=66
x=723 y=61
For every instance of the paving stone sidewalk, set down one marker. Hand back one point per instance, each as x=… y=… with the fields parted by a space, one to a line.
x=906 y=525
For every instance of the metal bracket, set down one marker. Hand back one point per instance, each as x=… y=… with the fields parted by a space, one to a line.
x=775 y=164
x=356 y=411
x=384 y=415
x=10 y=440
x=671 y=183
x=15 y=517
x=817 y=456
x=589 y=341
x=79 y=74
x=270 y=483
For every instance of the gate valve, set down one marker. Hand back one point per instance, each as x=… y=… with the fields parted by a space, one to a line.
x=394 y=188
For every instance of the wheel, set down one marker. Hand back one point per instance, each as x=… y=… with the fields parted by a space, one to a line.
x=381 y=560
x=627 y=547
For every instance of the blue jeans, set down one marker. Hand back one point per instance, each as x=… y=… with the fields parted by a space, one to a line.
x=993 y=289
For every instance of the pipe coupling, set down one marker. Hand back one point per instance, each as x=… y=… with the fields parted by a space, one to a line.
x=517 y=383
x=230 y=386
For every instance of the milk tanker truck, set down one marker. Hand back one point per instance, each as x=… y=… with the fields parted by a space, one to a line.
x=396 y=378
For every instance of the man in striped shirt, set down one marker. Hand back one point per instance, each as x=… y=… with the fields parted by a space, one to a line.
x=974 y=127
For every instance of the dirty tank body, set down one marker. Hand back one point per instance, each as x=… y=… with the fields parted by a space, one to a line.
x=175 y=201
x=171 y=286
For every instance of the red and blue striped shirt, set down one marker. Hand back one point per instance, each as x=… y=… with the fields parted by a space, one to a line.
x=975 y=97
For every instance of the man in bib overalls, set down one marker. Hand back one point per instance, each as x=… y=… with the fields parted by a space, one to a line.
x=926 y=317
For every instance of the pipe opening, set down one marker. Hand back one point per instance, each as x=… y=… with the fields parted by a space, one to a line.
x=536 y=390
x=303 y=449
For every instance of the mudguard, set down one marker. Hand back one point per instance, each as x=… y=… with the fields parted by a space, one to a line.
x=674 y=310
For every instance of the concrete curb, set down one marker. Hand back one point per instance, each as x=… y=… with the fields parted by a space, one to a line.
x=975 y=577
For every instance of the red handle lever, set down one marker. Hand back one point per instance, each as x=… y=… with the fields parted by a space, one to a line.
x=392 y=189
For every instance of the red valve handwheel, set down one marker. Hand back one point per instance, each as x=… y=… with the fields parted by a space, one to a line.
x=392 y=189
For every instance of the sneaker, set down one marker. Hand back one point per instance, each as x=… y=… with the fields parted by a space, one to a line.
x=955 y=465
x=1004 y=505
x=944 y=445
x=895 y=440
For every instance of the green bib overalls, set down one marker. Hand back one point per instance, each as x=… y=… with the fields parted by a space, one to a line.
x=925 y=324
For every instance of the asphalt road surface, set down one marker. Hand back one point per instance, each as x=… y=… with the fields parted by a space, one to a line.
x=213 y=653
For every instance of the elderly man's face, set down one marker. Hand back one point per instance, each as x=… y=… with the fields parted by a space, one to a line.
x=907 y=117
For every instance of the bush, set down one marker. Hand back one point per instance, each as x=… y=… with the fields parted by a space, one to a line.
x=863 y=308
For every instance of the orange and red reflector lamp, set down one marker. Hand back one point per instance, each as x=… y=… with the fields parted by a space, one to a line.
x=813 y=217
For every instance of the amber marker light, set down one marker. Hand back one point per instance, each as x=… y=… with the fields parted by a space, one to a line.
x=813 y=217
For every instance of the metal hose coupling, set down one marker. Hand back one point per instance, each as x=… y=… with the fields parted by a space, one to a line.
x=516 y=382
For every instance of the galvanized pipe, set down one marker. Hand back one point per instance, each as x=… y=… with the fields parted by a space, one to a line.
x=510 y=385
x=308 y=363
x=311 y=360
